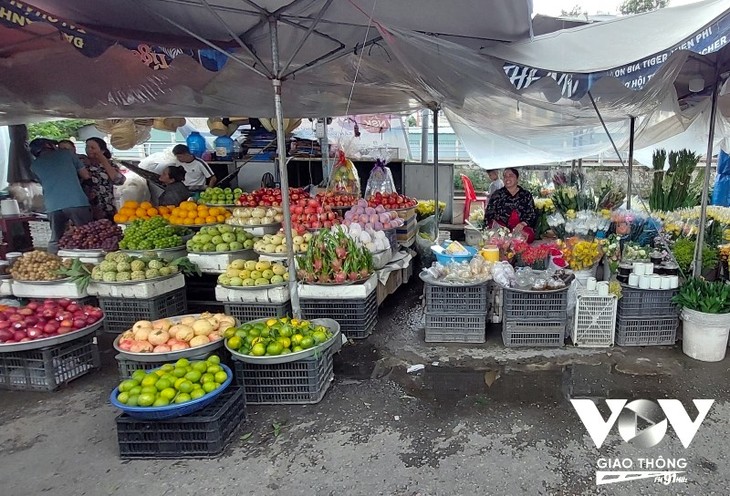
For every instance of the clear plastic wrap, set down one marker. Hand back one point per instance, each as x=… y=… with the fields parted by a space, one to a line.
x=344 y=179
x=380 y=180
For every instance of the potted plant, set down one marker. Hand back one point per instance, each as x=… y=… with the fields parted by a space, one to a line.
x=706 y=318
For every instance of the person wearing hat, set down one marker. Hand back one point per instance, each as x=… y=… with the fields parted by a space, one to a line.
x=59 y=172
x=198 y=174
x=512 y=207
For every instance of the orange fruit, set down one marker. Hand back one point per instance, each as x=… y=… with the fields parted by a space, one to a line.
x=163 y=209
x=187 y=222
x=220 y=218
x=191 y=214
x=145 y=205
x=152 y=212
x=131 y=204
x=210 y=219
x=199 y=220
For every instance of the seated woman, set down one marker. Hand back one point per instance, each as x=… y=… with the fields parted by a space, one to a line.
x=173 y=178
x=512 y=207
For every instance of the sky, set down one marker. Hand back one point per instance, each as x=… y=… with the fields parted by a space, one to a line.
x=554 y=7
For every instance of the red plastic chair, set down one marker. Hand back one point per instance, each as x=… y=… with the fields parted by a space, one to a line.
x=471 y=196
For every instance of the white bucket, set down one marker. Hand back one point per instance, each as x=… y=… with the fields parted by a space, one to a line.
x=9 y=208
x=705 y=335
x=582 y=276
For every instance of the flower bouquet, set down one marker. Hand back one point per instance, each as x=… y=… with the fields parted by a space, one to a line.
x=533 y=256
x=582 y=254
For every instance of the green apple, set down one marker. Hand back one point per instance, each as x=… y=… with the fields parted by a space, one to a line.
x=248 y=244
x=208 y=247
x=255 y=274
x=277 y=280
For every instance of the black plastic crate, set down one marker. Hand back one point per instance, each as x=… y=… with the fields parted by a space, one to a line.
x=49 y=368
x=535 y=306
x=357 y=317
x=121 y=313
x=205 y=433
x=244 y=312
x=457 y=299
x=301 y=382
x=637 y=302
x=517 y=334
x=450 y=328
x=652 y=331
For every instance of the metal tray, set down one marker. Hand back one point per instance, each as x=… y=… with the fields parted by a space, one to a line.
x=346 y=283
x=46 y=342
x=250 y=288
x=87 y=251
x=235 y=252
x=45 y=283
x=196 y=352
x=247 y=226
x=332 y=325
x=129 y=283
x=273 y=255
x=224 y=205
x=163 y=250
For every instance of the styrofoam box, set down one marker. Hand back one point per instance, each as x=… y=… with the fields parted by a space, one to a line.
x=140 y=290
x=67 y=289
x=89 y=257
x=260 y=231
x=6 y=287
x=266 y=295
x=339 y=292
x=274 y=258
x=217 y=263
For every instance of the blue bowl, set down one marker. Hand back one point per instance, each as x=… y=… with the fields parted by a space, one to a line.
x=444 y=258
x=171 y=411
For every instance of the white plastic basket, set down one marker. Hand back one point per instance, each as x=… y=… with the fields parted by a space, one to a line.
x=267 y=295
x=594 y=323
x=339 y=292
x=138 y=291
x=217 y=263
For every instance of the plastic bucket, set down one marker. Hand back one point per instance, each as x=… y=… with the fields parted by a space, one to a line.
x=705 y=335
x=581 y=276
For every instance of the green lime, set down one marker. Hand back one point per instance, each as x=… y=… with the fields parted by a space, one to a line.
x=182 y=398
x=207 y=378
x=123 y=398
x=182 y=363
x=200 y=367
x=168 y=393
x=146 y=399
x=160 y=401
x=127 y=385
x=138 y=375
x=307 y=343
x=168 y=367
x=197 y=393
x=133 y=401
x=135 y=391
x=297 y=348
x=149 y=380
x=258 y=349
x=185 y=387
x=274 y=349
x=149 y=390
x=209 y=387
x=163 y=384
x=193 y=376
x=234 y=342
x=179 y=372
x=220 y=377
x=214 y=369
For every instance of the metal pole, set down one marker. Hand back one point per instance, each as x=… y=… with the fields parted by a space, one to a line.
x=629 y=186
x=697 y=271
x=281 y=145
x=424 y=136
x=325 y=147
x=436 y=164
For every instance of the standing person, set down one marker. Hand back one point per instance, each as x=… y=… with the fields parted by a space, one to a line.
x=173 y=177
x=105 y=175
x=513 y=207
x=496 y=182
x=198 y=174
x=59 y=172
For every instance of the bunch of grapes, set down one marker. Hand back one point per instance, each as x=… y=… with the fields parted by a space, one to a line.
x=100 y=234
x=153 y=234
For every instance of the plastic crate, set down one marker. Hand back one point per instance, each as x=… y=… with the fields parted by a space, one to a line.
x=516 y=334
x=652 y=331
x=535 y=306
x=450 y=328
x=49 y=368
x=457 y=299
x=637 y=302
x=594 y=322
x=40 y=233
x=121 y=313
x=243 y=312
x=302 y=382
x=205 y=433
x=357 y=317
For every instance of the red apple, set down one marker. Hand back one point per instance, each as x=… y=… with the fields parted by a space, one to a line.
x=18 y=335
x=35 y=333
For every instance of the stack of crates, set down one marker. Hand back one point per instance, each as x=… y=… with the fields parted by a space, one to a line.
x=201 y=434
x=456 y=314
x=354 y=307
x=534 y=318
x=646 y=317
x=594 y=322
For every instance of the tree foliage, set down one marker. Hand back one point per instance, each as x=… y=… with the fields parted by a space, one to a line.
x=576 y=11
x=58 y=130
x=639 y=6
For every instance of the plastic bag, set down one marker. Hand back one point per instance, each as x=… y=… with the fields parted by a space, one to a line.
x=344 y=178
x=380 y=180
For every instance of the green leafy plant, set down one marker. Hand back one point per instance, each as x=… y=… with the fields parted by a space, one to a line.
x=704 y=296
x=674 y=188
x=684 y=254
x=61 y=129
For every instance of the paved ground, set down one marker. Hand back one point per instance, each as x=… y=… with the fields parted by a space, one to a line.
x=477 y=420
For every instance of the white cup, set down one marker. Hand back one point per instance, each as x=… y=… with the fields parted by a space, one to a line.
x=648 y=268
x=602 y=288
x=633 y=280
x=666 y=282
x=673 y=282
x=645 y=282
x=656 y=282
x=591 y=284
x=638 y=268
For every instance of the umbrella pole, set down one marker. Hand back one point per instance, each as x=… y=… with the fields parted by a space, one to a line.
x=697 y=269
x=281 y=145
x=436 y=165
x=629 y=186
